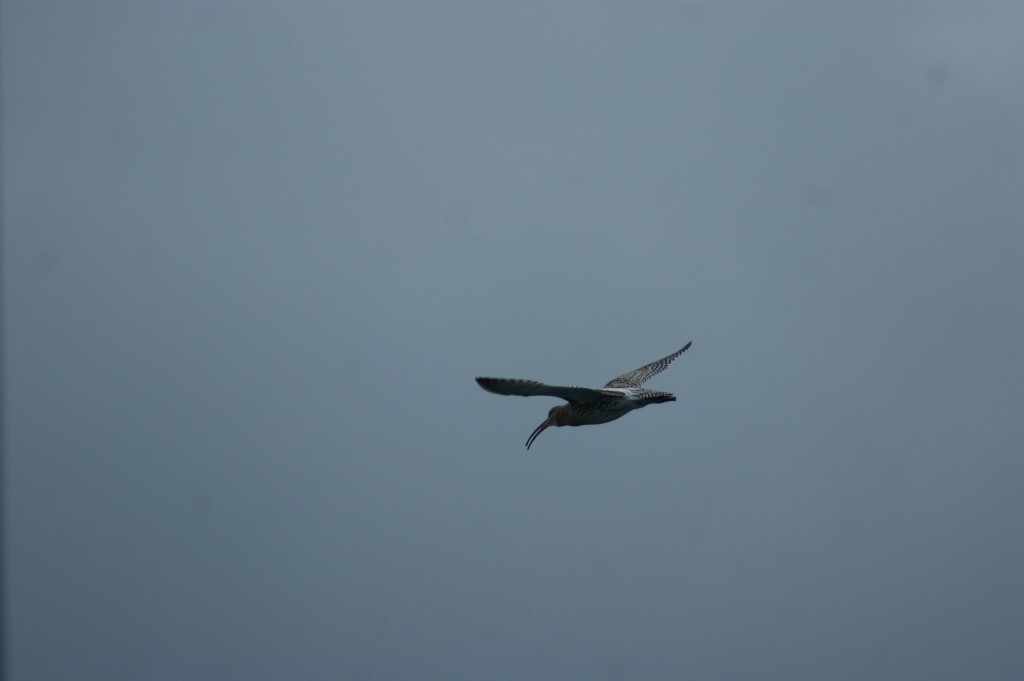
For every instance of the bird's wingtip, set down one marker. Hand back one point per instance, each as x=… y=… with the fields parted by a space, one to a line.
x=488 y=384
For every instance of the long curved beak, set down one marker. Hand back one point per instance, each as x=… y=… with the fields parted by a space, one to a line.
x=540 y=429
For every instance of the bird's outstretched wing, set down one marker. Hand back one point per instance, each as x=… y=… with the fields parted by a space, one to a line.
x=636 y=378
x=520 y=386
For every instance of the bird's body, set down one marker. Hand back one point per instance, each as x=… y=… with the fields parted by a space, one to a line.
x=587 y=406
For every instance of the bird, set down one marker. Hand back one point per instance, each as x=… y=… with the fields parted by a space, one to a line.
x=586 y=406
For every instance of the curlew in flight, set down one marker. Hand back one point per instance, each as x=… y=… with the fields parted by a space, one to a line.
x=589 y=405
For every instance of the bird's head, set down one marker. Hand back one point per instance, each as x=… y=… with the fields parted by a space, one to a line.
x=554 y=419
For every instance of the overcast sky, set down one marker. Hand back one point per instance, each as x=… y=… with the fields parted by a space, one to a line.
x=254 y=256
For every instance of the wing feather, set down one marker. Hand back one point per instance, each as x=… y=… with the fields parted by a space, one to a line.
x=527 y=388
x=636 y=378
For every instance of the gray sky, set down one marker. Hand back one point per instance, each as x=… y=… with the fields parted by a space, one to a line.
x=254 y=255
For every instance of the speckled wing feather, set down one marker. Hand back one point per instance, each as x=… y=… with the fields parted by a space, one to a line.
x=520 y=386
x=636 y=378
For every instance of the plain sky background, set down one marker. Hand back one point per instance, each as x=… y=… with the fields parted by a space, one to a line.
x=255 y=254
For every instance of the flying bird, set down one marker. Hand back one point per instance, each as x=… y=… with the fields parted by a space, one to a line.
x=589 y=405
